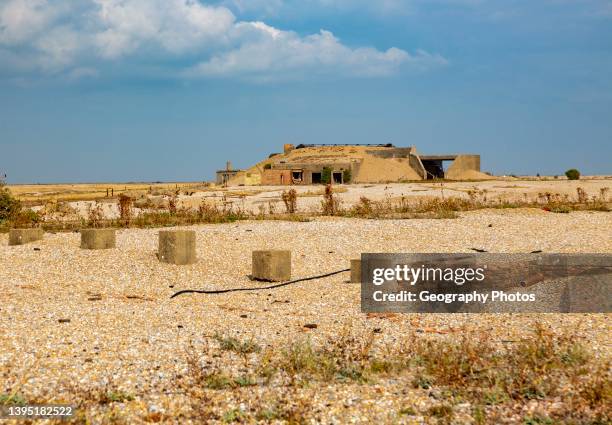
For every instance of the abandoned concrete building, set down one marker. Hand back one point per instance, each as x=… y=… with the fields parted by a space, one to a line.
x=315 y=164
x=224 y=176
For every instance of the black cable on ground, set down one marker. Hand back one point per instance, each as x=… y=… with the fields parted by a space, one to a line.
x=224 y=291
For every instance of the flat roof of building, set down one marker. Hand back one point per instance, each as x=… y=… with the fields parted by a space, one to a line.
x=438 y=157
x=378 y=145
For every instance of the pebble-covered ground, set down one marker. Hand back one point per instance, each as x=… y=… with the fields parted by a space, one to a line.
x=73 y=318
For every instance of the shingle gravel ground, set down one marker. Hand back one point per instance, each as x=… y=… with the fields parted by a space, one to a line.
x=124 y=328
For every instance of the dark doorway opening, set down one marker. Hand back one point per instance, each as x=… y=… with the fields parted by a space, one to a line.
x=433 y=168
x=316 y=178
x=296 y=176
x=337 y=177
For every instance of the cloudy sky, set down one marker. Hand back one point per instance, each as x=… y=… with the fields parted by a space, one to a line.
x=146 y=90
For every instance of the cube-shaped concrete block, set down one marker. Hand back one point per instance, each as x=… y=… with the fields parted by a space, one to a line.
x=272 y=265
x=23 y=236
x=356 y=271
x=177 y=247
x=97 y=238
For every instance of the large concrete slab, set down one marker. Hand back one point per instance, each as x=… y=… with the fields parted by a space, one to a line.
x=23 y=236
x=98 y=238
x=272 y=265
x=177 y=247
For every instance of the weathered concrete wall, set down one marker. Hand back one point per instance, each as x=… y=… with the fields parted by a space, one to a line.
x=391 y=152
x=23 y=236
x=380 y=170
x=276 y=177
x=464 y=167
x=243 y=178
x=98 y=238
x=250 y=176
x=312 y=166
x=284 y=176
x=417 y=166
x=252 y=179
x=224 y=176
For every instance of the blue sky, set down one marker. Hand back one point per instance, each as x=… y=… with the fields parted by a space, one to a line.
x=147 y=90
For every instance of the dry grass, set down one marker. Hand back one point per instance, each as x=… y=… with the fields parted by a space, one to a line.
x=321 y=192
x=59 y=216
x=126 y=211
x=242 y=193
x=449 y=206
x=535 y=367
x=498 y=380
x=330 y=205
x=289 y=198
x=541 y=366
x=39 y=194
x=174 y=216
x=430 y=208
x=95 y=215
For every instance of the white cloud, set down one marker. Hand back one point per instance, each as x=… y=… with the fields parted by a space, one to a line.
x=285 y=55
x=58 y=48
x=174 y=25
x=21 y=20
x=184 y=38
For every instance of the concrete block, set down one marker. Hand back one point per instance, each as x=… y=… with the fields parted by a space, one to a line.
x=23 y=236
x=97 y=238
x=274 y=265
x=177 y=247
x=356 y=271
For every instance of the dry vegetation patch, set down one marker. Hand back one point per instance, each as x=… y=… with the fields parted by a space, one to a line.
x=556 y=370
x=149 y=210
x=447 y=207
x=232 y=379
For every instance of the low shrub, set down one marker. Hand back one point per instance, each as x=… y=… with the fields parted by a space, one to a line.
x=289 y=198
x=330 y=204
x=126 y=211
x=347 y=176
x=95 y=215
x=572 y=174
x=10 y=207
x=230 y=343
x=326 y=175
x=26 y=218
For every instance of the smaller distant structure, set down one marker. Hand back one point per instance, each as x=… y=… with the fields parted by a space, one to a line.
x=224 y=176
